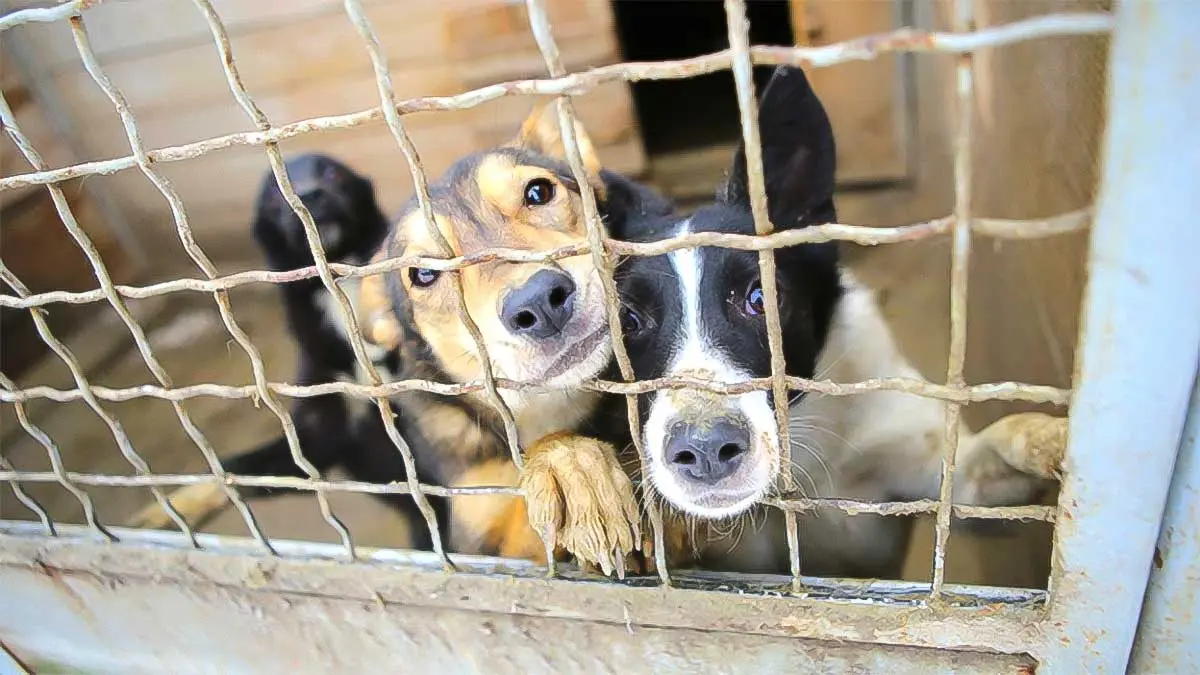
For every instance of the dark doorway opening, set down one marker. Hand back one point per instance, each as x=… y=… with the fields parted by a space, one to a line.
x=681 y=115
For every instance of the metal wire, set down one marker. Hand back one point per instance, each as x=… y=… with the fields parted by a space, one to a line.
x=233 y=78
x=387 y=94
x=540 y=26
x=743 y=75
x=28 y=501
x=964 y=18
x=740 y=57
x=92 y=65
x=59 y=471
x=420 y=184
x=994 y=391
x=866 y=48
x=1073 y=221
x=796 y=504
x=93 y=256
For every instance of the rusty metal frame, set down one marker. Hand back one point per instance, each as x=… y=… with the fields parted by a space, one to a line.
x=935 y=615
x=64 y=586
x=1004 y=621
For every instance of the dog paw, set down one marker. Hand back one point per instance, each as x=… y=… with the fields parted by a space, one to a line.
x=577 y=494
x=1032 y=443
x=1014 y=460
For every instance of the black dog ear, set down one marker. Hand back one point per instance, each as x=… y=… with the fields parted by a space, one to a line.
x=799 y=156
x=268 y=227
x=628 y=203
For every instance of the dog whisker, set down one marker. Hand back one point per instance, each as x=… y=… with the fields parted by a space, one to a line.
x=833 y=433
x=816 y=454
x=823 y=372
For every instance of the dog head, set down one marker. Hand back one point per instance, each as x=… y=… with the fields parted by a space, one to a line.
x=542 y=322
x=701 y=312
x=342 y=204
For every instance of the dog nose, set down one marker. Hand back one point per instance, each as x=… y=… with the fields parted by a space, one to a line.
x=542 y=307
x=707 y=455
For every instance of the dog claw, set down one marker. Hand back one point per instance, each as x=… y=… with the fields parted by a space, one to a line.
x=574 y=487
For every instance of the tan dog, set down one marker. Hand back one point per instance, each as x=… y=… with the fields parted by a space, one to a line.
x=540 y=323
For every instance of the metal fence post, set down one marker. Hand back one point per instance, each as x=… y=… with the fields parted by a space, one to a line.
x=1168 y=638
x=1141 y=334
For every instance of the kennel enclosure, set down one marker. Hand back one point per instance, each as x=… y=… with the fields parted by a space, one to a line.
x=100 y=597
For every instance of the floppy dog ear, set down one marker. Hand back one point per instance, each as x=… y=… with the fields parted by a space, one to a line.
x=540 y=133
x=268 y=227
x=376 y=319
x=799 y=156
x=374 y=223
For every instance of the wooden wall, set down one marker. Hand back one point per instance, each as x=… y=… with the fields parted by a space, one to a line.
x=300 y=59
x=867 y=101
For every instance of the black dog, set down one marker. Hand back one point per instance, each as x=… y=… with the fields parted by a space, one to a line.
x=333 y=429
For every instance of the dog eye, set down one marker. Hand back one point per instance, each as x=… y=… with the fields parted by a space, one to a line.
x=631 y=322
x=754 y=300
x=538 y=192
x=422 y=277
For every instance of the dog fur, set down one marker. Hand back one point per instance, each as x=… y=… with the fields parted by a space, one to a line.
x=521 y=196
x=416 y=333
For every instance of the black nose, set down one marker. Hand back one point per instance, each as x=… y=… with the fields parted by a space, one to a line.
x=542 y=307
x=706 y=455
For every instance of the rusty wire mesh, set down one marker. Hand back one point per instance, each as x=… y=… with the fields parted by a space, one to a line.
x=962 y=225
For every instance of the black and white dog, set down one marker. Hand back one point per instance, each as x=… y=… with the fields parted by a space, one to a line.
x=700 y=312
x=332 y=429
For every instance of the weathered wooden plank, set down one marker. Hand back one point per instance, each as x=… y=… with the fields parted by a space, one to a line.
x=34 y=125
x=130 y=29
x=270 y=59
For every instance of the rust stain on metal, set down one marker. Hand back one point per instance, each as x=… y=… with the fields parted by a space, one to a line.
x=806 y=626
x=57 y=579
x=258 y=577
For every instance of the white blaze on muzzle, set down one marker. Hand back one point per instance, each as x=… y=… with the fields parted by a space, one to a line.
x=710 y=455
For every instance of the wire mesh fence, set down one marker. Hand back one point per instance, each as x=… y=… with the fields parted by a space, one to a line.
x=962 y=225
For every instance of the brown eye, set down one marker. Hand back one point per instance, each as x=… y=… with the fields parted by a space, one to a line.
x=422 y=277
x=538 y=192
x=754 y=300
